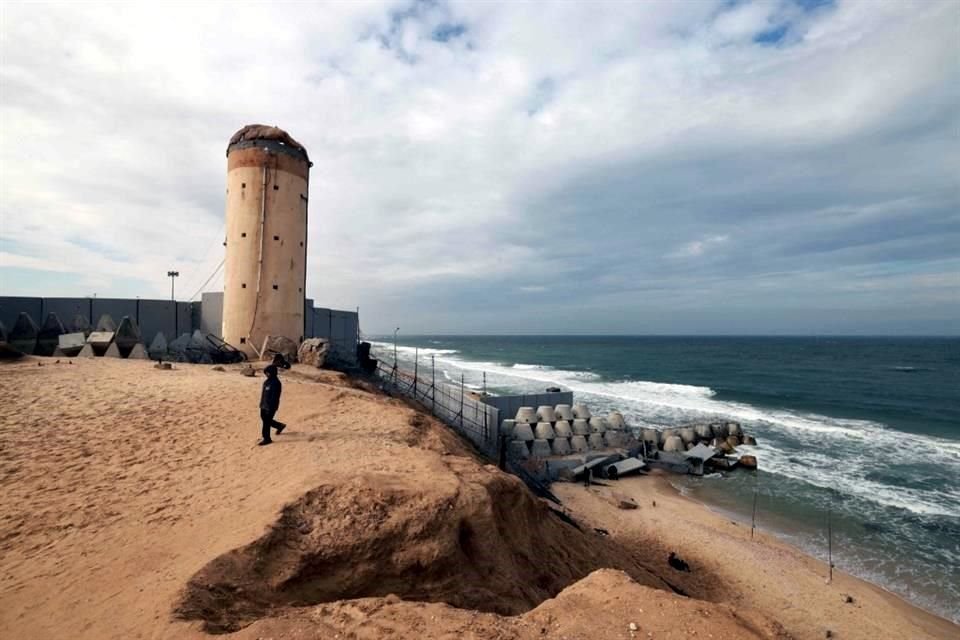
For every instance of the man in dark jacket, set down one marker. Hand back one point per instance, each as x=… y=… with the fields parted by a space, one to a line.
x=270 y=403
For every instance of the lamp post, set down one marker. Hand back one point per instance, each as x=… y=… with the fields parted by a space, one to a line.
x=172 y=275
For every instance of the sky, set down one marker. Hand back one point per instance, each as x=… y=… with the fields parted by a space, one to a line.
x=781 y=167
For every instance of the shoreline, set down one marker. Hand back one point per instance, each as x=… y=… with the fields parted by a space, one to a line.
x=768 y=574
x=778 y=535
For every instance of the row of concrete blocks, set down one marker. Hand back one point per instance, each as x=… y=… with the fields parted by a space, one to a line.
x=547 y=413
x=51 y=339
x=544 y=448
x=559 y=429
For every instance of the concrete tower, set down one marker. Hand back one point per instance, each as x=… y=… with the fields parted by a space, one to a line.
x=268 y=173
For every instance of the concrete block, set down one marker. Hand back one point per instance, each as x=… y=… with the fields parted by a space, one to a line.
x=139 y=352
x=506 y=428
x=158 y=348
x=71 y=343
x=673 y=444
x=595 y=442
x=719 y=429
x=651 y=436
x=100 y=340
x=540 y=448
x=704 y=432
x=23 y=335
x=578 y=444
x=616 y=422
x=526 y=415
x=560 y=447
x=687 y=434
x=518 y=450
x=563 y=412
x=544 y=431
x=523 y=431
x=106 y=323
x=734 y=429
x=87 y=351
x=581 y=427
x=614 y=438
x=581 y=411
x=127 y=335
x=562 y=429
x=545 y=413
x=113 y=351
x=81 y=325
x=47 y=336
x=598 y=425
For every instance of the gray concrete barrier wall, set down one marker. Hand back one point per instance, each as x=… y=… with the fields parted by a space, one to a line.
x=67 y=309
x=156 y=316
x=12 y=306
x=153 y=316
x=508 y=405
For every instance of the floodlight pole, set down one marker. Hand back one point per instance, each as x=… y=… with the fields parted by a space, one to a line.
x=172 y=275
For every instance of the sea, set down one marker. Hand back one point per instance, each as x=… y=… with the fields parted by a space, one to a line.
x=858 y=436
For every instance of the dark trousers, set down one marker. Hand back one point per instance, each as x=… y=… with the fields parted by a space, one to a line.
x=268 y=421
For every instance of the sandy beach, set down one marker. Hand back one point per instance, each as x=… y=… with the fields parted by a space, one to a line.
x=136 y=504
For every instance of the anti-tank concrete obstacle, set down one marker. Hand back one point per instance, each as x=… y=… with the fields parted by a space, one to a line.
x=106 y=323
x=544 y=431
x=158 y=348
x=81 y=325
x=23 y=334
x=87 y=351
x=614 y=438
x=581 y=411
x=595 y=442
x=578 y=444
x=127 y=335
x=49 y=334
x=616 y=422
x=560 y=447
x=139 y=352
x=563 y=412
x=651 y=437
x=598 y=425
x=100 y=341
x=506 y=427
x=546 y=413
x=113 y=351
x=70 y=344
x=581 y=427
x=523 y=431
x=687 y=434
x=526 y=415
x=540 y=448
x=673 y=444
x=562 y=429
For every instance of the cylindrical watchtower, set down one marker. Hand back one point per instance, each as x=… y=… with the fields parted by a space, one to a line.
x=265 y=270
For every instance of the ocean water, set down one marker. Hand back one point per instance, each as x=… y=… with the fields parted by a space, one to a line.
x=866 y=430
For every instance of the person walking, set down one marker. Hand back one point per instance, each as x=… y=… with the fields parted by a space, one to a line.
x=269 y=404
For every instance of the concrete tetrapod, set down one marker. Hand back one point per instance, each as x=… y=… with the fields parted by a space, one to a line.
x=598 y=425
x=616 y=422
x=518 y=450
x=578 y=444
x=523 y=432
x=526 y=415
x=581 y=411
x=595 y=442
x=562 y=429
x=564 y=412
x=687 y=434
x=544 y=431
x=651 y=436
x=561 y=447
x=506 y=427
x=673 y=443
x=540 y=448
x=581 y=427
x=545 y=413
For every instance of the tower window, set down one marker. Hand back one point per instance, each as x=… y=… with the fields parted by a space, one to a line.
x=301 y=243
x=243 y=185
x=243 y=286
x=243 y=235
x=276 y=187
x=276 y=237
x=275 y=287
x=243 y=341
x=300 y=289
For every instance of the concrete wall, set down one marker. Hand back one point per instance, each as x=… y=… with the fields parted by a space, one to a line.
x=10 y=308
x=153 y=316
x=508 y=405
x=67 y=309
x=156 y=316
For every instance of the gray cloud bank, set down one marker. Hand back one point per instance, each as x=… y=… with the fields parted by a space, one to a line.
x=702 y=167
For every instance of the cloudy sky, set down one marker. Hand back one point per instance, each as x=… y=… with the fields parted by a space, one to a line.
x=790 y=166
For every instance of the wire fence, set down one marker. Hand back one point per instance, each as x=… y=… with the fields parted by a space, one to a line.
x=454 y=404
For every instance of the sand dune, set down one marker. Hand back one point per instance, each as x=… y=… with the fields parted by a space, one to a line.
x=136 y=504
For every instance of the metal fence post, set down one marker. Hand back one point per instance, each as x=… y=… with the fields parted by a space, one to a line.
x=433 y=383
x=461 y=401
x=416 y=363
